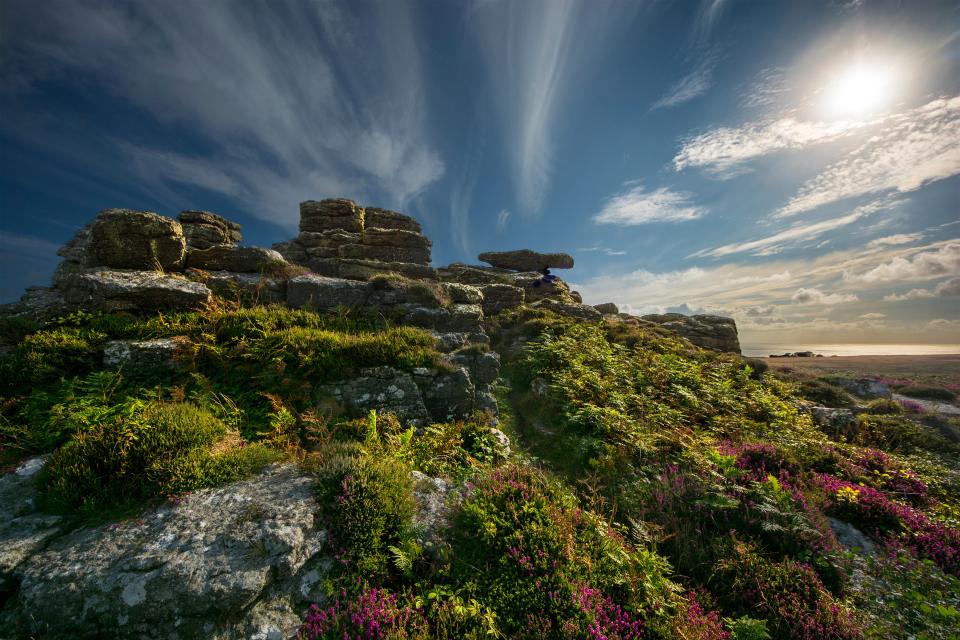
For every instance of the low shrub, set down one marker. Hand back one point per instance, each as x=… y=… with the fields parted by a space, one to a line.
x=373 y=614
x=926 y=392
x=884 y=406
x=155 y=449
x=521 y=545
x=788 y=594
x=368 y=504
x=825 y=394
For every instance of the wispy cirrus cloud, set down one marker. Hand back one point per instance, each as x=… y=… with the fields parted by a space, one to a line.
x=691 y=86
x=726 y=150
x=637 y=206
x=797 y=233
x=301 y=100
x=895 y=240
x=912 y=149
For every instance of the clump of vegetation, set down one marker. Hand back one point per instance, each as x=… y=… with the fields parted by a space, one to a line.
x=825 y=394
x=149 y=450
x=369 y=504
x=927 y=392
x=884 y=406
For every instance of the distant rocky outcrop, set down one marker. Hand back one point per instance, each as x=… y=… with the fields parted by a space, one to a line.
x=711 y=332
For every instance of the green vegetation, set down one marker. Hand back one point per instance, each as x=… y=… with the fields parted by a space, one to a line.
x=654 y=489
x=927 y=392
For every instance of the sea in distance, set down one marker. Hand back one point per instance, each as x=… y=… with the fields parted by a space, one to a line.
x=759 y=350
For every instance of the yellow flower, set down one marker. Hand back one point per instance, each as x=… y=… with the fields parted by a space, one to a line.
x=847 y=494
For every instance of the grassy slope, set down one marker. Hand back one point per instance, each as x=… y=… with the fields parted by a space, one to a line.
x=655 y=489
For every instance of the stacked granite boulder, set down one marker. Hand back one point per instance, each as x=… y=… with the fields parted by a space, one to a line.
x=342 y=240
x=126 y=260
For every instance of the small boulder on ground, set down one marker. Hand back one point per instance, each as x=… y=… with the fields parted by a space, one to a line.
x=126 y=239
x=527 y=260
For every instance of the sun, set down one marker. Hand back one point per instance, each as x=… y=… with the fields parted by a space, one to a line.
x=860 y=89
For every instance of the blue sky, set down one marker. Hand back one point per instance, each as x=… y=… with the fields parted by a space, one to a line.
x=793 y=164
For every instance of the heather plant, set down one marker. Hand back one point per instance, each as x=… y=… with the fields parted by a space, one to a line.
x=523 y=546
x=369 y=506
x=373 y=614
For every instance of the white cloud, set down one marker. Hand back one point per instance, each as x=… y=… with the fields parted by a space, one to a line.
x=897 y=239
x=946 y=289
x=925 y=265
x=873 y=316
x=723 y=151
x=783 y=276
x=502 y=218
x=693 y=85
x=800 y=232
x=262 y=91
x=639 y=206
x=766 y=89
x=607 y=251
x=815 y=296
x=914 y=148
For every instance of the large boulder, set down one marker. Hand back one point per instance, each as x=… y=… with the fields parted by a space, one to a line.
x=239 y=561
x=204 y=229
x=112 y=290
x=707 y=331
x=389 y=245
x=330 y=214
x=325 y=294
x=527 y=260
x=224 y=257
x=607 y=308
x=248 y=287
x=126 y=239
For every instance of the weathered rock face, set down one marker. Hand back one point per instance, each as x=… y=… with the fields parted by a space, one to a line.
x=571 y=309
x=607 y=308
x=249 y=287
x=112 y=290
x=330 y=214
x=126 y=239
x=23 y=529
x=224 y=257
x=526 y=260
x=499 y=297
x=243 y=560
x=711 y=332
x=204 y=229
x=341 y=240
x=835 y=422
x=380 y=388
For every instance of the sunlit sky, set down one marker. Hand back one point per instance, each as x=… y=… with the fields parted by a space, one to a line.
x=792 y=164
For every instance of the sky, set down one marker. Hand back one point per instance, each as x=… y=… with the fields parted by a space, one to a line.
x=791 y=164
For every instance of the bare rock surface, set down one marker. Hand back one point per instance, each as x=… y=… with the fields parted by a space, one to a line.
x=224 y=257
x=327 y=214
x=380 y=388
x=239 y=561
x=527 y=260
x=116 y=290
x=607 y=308
x=204 y=229
x=127 y=239
x=708 y=331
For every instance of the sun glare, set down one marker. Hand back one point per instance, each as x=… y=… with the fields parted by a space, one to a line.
x=860 y=89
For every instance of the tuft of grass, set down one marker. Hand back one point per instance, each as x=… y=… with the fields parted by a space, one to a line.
x=928 y=392
x=158 y=449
